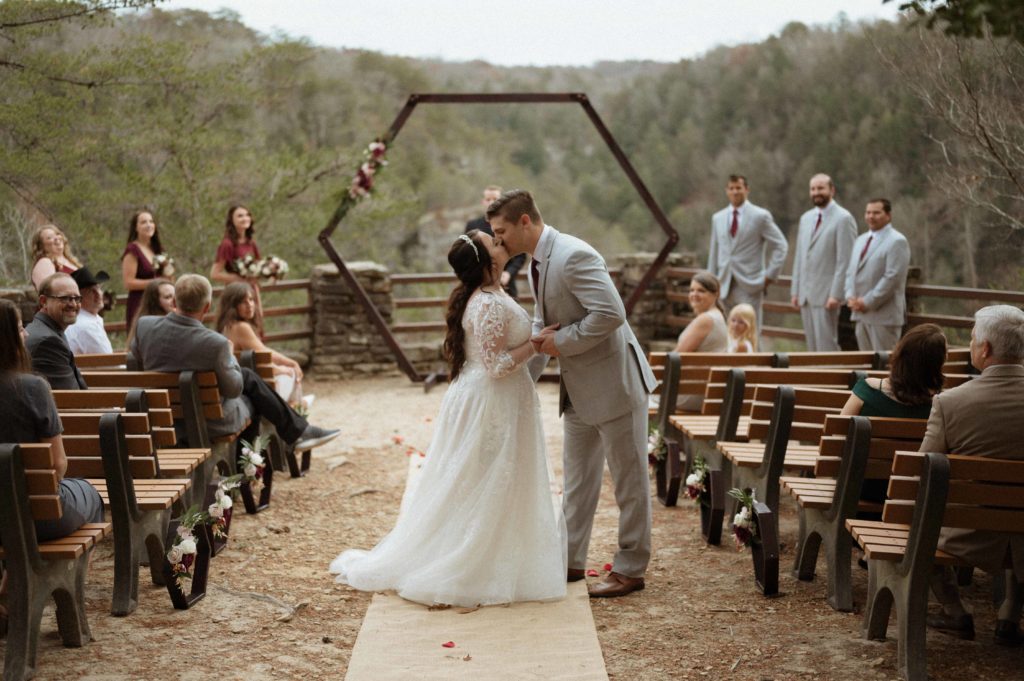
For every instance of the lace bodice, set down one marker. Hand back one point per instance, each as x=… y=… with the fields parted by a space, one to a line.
x=494 y=324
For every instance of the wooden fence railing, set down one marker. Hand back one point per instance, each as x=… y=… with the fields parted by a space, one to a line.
x=298 y=330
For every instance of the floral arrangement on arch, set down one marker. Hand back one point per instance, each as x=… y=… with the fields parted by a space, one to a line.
x=163 y=265
x=251 y=463
x=657 y=449
x=744 y=528
x=219 y=512
x=373 y=161
x=183 y=550
x=697 y=481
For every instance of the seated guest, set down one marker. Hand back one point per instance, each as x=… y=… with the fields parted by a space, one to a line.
x=915 y=376
x=708 y=331
x=59 y=300
x=30 y=415
x=235 y=320
x=742 y=328
x=87 y=334
x=180 y=342
x=983 y=418
x=157 y=300
x=51 y=253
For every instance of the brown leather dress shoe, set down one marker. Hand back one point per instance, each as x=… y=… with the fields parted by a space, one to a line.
x=615 y=585
x=575 y=574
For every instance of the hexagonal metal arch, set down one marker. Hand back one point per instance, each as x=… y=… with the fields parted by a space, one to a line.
x=672 y=237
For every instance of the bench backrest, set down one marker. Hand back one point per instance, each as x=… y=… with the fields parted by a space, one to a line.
x=884 y=437
x=86 y=445
x=983 y=493
x=810 y=407
x=41 y=482
x=209 y=393
x=157 y=403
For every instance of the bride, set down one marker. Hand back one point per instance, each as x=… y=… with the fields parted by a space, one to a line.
x=480 y=527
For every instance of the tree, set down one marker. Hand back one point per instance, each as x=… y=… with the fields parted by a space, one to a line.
x=971 y=18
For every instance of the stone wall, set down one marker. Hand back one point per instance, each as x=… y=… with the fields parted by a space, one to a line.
x=26 y=298
x=346 y=344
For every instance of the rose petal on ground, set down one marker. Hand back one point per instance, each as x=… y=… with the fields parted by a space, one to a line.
x=607 y=567
x=592 y=573
x=448 y=644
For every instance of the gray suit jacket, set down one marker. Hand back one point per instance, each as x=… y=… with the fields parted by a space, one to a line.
x=981 y=418
x=880 y=278
x=819 y=266
x=180 y=343
x=51 y=356
x=604 y=372
x=740 y=261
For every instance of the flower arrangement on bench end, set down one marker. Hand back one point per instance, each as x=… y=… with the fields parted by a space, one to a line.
x=184 y=548
x=697 y=482
x=744 y=525
x=252 y=463
x=657 y=448
x=219 y=512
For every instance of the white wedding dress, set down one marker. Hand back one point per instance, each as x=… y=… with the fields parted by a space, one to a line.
x=480 y=527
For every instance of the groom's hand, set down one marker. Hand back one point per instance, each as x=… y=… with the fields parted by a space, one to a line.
x=545 y=341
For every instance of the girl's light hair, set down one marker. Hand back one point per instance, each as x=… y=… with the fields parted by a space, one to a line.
x=745 y=312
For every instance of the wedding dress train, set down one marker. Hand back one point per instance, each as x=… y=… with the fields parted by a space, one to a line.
x=480 y=527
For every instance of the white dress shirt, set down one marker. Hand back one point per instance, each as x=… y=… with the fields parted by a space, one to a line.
x=87 y=335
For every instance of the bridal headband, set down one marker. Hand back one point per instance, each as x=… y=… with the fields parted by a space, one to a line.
x=469 y=241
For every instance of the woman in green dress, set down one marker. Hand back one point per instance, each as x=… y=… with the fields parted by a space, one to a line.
x=915 y=376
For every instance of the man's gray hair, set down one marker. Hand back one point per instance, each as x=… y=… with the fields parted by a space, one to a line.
x=1002 y=326
x=192 y=292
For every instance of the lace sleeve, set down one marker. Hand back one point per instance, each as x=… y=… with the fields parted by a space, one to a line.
x=490 y=323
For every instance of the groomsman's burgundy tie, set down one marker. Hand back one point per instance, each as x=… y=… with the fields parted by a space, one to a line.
x=535 y=274
x=866 y=247
x=817 y=224
x=735 y=223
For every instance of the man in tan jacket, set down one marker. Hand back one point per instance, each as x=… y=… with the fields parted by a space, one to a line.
x=982 y=418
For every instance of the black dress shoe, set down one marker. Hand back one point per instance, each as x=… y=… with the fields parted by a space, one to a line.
x=961 y=627
x=1008 y=634
x=575 y=574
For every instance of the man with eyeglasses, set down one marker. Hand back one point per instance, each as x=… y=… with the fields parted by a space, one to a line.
x=59 y=300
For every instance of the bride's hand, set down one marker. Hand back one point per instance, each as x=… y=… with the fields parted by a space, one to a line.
x=544 y=341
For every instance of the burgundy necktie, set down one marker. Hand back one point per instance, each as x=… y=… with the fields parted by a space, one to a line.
x=735 y=223
x=817 y=224
x=535 y=272
x=866 y=247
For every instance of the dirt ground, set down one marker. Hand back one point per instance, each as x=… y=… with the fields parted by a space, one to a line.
x=273 y=612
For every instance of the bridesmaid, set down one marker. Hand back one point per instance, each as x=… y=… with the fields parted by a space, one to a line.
x=51 y=253
x=237 y=243
x=137 y=268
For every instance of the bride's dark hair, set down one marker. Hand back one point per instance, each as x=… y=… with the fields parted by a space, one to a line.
x=471 y=263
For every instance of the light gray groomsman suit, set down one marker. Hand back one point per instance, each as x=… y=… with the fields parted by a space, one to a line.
x=739 y=262
x=880 y=277
x=819 y=271
x=605 y=381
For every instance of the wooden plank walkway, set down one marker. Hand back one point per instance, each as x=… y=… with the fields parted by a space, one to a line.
x=401 y=640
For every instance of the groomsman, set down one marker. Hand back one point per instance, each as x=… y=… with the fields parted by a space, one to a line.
x=824 y=240
x=743 y=237
x=876 y=279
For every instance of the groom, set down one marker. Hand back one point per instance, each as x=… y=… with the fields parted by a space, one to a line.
x=605 y=380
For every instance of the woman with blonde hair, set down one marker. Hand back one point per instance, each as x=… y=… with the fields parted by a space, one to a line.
x=51 y=253
x=742 y=328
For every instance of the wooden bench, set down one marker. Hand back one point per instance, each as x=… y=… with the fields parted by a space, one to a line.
x=853 y=449
x=38 y=571
x=140 y=407
x=926 y=493
x=123 y=468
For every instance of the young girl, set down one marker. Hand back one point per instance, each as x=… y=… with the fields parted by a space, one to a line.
x=742 y=329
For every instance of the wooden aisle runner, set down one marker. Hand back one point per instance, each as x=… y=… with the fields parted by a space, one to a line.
x=402 y=640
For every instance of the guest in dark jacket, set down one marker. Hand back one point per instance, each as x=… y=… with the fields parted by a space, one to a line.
x=59 y=300
x=508 y=277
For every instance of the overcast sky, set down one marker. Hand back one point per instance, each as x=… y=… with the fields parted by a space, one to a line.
x=537 y=32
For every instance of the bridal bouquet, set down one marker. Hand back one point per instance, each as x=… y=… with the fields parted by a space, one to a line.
x=273 y=268
x=183 y=551
x=252 y=463
x=362 y=181
x=696 y=481
x=657 y=450
x=248 y=267
x=219 y=512
x=163 y=265
x=744 y=526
